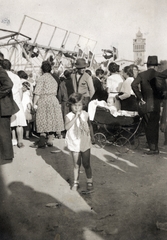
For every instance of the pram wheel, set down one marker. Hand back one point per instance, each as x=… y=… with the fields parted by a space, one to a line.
x=123 y=145
x=100 y=140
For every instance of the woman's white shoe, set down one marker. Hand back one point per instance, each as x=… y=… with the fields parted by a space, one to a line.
x=14 y=142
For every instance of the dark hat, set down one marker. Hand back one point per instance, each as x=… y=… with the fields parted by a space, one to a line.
x=81 y=63
x=152 y=61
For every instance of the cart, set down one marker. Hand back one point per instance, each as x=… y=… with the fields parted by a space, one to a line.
x=121 y=131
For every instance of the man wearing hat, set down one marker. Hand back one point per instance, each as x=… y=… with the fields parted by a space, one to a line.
x=82 y=81
x=147 y=96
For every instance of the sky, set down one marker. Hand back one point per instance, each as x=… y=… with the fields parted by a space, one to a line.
x=108 y=22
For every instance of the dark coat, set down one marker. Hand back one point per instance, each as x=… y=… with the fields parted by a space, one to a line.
x=8 y=106
x=97 y=84
x=146 y=91
x=100 y=94
x=69 y=86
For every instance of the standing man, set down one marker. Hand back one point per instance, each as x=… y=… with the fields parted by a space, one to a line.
x=7 y=108
x=100 y=92
x=148 y=96
x=82 y=81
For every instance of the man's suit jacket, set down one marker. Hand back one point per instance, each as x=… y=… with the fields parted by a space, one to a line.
x=146 y=80
x=8 y=106
x=84 y=85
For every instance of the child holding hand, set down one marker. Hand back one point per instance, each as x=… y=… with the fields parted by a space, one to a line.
x=78 y=138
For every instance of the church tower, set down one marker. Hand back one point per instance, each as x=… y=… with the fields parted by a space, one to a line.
x=139 y=48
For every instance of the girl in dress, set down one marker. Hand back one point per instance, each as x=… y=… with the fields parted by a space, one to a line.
x=78 y=138
x=27 y=106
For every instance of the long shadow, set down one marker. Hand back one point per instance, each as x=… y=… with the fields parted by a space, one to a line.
x=114 y=159
x=32 y=219
x=6 y=232
x=114 y=198
x=129 y=196
x=124 y=209
x=61 y=162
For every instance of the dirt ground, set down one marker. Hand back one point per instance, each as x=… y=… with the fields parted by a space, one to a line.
x=129 y=195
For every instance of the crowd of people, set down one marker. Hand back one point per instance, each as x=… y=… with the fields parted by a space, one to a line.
x=57 y=106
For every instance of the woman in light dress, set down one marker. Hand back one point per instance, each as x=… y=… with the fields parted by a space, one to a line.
x=114 y=82
x=126 y=95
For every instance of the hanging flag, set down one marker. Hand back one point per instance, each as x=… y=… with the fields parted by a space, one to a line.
x=80 y=53
x=90 y=58
x=94 y=63
x=90 y=55
x=115 y=53
x=85 y=55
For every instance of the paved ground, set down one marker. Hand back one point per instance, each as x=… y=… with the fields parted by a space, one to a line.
x=130 y=195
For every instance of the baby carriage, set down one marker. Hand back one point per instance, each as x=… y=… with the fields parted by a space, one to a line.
x=121 y=131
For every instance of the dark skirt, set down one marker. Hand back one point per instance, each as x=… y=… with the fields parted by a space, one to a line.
x=129 y=104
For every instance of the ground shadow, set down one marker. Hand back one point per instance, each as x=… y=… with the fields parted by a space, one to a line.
x=31 y=219
x=6 y=232
x=124 y=203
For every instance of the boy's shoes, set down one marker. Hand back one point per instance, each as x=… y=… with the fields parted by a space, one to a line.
x=89 y=186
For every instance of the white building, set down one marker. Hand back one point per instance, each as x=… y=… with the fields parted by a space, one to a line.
x=123 y=63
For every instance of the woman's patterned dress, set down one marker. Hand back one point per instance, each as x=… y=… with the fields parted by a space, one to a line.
x=48 y=116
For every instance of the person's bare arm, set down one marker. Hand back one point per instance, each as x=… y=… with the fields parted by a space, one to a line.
x=70 y=123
